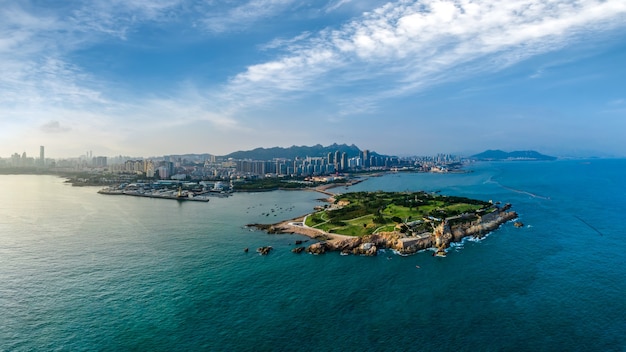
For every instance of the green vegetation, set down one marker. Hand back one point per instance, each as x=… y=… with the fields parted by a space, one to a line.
x=273 y=183
x=269 y=184
x=364 y=213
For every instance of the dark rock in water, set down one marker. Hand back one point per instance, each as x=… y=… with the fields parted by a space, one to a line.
x=298 y=242
x=298 y=250
x=260 y=226
x=264 y=250
x=518 y=224
x=245 y=249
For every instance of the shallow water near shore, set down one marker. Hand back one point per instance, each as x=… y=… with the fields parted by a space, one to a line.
x=83 y=271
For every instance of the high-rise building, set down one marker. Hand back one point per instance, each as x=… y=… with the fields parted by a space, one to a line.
x=42 y=159
x=100 y=161
x=366 y=158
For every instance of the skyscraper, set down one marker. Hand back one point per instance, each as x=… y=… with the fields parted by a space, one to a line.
x=42 y=160
x=366 y=158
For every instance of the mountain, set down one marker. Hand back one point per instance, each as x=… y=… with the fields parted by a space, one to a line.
x=516 y=155
x=295 y=151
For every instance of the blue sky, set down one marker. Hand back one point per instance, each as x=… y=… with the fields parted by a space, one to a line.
x=154 y=77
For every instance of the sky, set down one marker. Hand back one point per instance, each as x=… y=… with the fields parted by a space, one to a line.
x=156 y=77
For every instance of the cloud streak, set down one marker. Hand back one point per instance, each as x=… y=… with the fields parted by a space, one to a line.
x=414 y=45
x=242 y=17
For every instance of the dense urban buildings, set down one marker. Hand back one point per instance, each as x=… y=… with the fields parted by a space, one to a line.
x=212 y=167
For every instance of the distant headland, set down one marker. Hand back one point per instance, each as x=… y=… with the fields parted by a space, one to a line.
x=498 y=155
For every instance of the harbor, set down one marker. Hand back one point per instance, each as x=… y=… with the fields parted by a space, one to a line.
x=157 y=190
x=189 y=196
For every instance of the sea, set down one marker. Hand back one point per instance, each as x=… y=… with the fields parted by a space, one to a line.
x=81 y=271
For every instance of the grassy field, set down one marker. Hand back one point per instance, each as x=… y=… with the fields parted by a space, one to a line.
x=370 y=212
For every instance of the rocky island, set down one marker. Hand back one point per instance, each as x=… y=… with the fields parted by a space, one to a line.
x=363 y=222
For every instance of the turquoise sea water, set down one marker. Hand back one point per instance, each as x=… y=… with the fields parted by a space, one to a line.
x=83 y=271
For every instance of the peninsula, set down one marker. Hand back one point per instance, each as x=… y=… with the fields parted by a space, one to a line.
x=363 y=222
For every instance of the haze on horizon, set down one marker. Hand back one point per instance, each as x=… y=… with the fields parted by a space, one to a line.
x=155 y=77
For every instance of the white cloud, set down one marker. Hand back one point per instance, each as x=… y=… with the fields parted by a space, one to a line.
x=417 y=44
x=117 y=17
x=54 y=127
x=36 y=42
x=332 y=6
x=279 y=43
x=244 y=16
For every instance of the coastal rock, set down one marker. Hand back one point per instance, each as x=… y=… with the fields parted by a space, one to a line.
x=264 y=227
x=367 y=248
x=344 y=245
x=264 y=250
x=298 y=250
x=317 y=248
x=372 y=251
x=413 y=244
x=518 y=224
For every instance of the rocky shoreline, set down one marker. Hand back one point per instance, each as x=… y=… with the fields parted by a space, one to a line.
x=439 y=239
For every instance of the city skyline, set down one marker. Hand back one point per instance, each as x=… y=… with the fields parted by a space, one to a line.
x=147 y=78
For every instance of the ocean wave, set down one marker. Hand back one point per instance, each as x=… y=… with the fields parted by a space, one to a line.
x=398 y=253
x=475 y=239
x=521 y=191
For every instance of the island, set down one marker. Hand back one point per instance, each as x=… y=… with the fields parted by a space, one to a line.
x=361 y=223
x=518 y=155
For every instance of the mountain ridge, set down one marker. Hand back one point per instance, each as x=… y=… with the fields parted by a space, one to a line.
x=294 y=151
